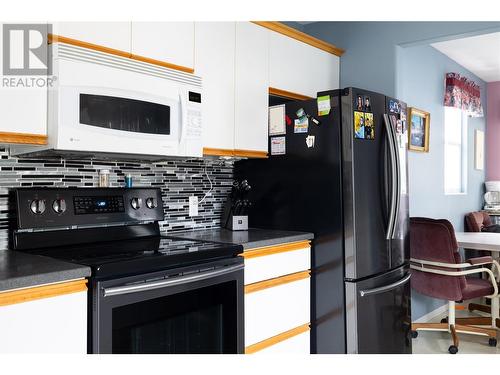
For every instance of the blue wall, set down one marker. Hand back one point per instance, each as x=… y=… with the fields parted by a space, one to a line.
x=421 y=84
x=395 y=58
x=371 y=47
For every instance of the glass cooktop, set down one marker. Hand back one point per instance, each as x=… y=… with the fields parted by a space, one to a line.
x=143 y=255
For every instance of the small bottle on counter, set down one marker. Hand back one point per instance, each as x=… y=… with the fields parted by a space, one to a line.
x=104 y=178
x=128 y=180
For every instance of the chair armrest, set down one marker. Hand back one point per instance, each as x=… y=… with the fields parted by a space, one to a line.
x=480 y=260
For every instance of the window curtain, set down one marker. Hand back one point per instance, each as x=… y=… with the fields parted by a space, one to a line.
x=463 y=93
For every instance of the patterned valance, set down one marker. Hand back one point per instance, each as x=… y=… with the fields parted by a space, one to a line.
x=463 y=93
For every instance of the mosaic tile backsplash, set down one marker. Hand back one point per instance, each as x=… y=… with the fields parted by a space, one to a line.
x=178 y=179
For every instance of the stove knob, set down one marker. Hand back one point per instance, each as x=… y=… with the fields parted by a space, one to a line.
x=151 y=203
x=59 y=205
x=37 y=206
x=136 y=203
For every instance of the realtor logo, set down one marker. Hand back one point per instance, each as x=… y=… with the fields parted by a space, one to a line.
x=25 y=50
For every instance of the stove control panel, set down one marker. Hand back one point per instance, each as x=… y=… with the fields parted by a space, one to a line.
x=93 y=205
x=40 y=208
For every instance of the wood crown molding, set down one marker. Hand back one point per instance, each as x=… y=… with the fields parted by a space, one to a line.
x=207 y=151
x=276 y=249
x=287 y=94
x=96 y=47
x=277 y=339
x=261 y=285
x=23 y=138
x=300 y=36
x=40 y=292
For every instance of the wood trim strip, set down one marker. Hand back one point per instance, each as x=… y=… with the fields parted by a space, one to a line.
x=277 y=339
x=207 y=151
x=287 y=94
x=261 y=285
x=162 y=63
x=276 y=249
x=96 y=47
x=250 y=154
x=23 y=138
x=301 y=36
x=40 y=292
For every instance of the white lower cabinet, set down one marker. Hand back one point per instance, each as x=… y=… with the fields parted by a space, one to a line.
x=277 y=299
x=275 y=310
x=277 y=264
x=299 y=344
x=49 y=325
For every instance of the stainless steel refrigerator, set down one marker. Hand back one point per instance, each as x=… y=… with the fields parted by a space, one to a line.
x=338 y=168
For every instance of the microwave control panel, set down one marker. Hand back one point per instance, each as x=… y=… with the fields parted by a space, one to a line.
x=194 y=125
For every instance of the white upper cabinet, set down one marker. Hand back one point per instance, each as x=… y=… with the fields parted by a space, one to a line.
x=23 y=109
x=251 y=87
x=299 y=67
x=114 y=35
x=171 y=42
x=214 y=62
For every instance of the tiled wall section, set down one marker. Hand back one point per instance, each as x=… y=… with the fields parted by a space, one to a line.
x=178 y=179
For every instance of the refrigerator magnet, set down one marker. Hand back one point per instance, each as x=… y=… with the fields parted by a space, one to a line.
x=278 y=145
x=369 y=126
x=394 y=106
x=300 y=113
x=288 y=120
x=358 y=102
x=301 y=125
x=359 y=125
x=323 y=105
x=367 y=104
x=310 y=141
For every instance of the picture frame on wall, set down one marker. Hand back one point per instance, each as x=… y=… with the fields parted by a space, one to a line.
x=479 y=150
x=418 y=130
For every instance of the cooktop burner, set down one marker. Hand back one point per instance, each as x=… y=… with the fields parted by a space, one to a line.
x=134 y=256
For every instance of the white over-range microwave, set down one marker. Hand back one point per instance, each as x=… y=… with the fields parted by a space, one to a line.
x=106 y=104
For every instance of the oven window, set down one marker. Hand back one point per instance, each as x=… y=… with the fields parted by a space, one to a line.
x=200 y=321
x=124 y=114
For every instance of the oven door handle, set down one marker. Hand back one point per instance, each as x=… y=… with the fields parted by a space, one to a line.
x=126 y=289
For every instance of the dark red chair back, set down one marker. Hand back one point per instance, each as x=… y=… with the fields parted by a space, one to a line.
x=434 y=240
x=476 y=221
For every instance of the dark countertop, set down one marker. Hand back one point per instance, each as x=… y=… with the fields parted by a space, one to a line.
x=21 y=270
x=250 y=239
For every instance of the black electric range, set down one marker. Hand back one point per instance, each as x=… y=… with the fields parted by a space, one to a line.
x=135 y=256
x=148 y=293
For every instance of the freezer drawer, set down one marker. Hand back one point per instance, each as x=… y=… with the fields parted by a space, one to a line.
x=378 y=315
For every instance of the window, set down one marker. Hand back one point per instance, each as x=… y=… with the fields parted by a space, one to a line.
x=455 y=151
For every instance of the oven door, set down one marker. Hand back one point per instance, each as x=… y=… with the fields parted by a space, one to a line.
x=187 y=311
x=95 y=119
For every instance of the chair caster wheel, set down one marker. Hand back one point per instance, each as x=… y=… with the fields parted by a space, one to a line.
x=444 y=320
x=453 y=349
x=414 y=334
x=492 y=341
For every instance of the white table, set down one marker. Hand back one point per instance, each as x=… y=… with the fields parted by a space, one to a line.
x=479 y=241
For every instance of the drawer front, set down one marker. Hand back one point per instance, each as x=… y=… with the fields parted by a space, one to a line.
x=274 y=262
x=271 y=311
x=300 y=344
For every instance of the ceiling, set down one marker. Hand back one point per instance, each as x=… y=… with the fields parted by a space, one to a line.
x=478 y=54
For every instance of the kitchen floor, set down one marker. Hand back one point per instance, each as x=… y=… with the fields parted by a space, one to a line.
x=429 y=342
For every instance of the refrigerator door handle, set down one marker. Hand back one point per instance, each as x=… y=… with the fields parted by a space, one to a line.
x=398 y=178
x=392 y=210
x=385 y=288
